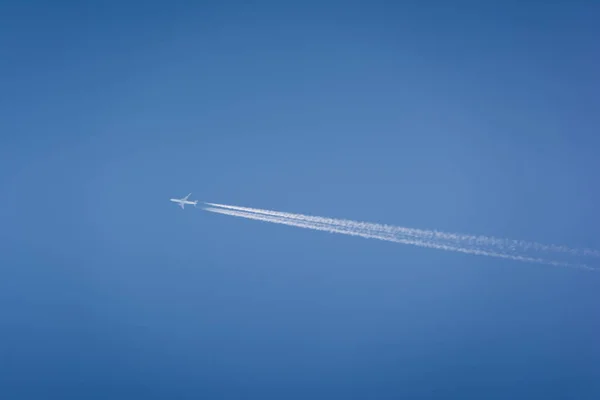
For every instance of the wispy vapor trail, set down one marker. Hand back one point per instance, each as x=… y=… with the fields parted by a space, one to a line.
x=410 y=236
x=455 y=238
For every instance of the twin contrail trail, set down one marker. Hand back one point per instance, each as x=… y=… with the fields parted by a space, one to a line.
x=477 y=245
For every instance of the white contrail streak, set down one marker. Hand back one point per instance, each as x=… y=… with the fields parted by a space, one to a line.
x=456 y=238
x=357 y=230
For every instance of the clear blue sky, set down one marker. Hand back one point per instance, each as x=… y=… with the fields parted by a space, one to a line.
x=447 y=115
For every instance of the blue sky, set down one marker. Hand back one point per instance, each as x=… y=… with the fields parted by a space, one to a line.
x=455 y=116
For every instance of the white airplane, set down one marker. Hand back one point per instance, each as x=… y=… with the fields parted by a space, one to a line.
x=182 y=202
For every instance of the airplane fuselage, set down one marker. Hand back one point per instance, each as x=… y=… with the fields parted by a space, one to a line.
x=193 y=203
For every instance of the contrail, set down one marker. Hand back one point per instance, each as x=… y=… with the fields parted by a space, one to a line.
x=363 y=230
x=456 y=238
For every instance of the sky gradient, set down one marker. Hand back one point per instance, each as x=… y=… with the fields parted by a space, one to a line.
x=455 y=116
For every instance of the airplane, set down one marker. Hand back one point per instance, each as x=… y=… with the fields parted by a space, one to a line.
x=182 y=202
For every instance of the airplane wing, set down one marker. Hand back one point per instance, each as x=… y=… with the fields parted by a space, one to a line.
x=182 y=205
x=186 y=197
